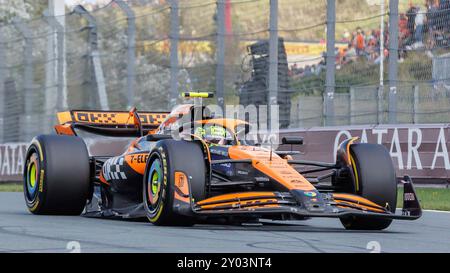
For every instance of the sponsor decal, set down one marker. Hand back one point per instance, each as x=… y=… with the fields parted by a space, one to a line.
x=310 y=193
x=204 y=47
x=242 y=172
x=408 y=196
x=114 y=118
x=218 y=151
x=41 y=181
x=113 y=169
x=96 y=117
x=295 y=180
x=226 y=165
x=139 y=158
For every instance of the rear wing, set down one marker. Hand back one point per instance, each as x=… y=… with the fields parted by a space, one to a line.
x=108 y=123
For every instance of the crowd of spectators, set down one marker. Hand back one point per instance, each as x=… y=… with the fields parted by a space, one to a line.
x=298 y=71
x=425 y=26
x=361 y=44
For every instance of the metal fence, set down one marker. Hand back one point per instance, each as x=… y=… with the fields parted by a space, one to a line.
x=326 y=69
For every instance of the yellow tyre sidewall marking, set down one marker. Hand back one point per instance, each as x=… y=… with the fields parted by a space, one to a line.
x=355 y=172
x=41 y=175
x=162 y=197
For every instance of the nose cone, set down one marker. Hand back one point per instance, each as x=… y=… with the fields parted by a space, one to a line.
x=274 y=167
x=312 y=201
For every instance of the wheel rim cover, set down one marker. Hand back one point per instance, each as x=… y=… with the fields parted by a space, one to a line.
x=32 y=176
x=154 y=182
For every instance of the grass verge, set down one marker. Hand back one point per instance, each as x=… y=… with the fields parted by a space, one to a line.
x=10 y=187
x=430 y=198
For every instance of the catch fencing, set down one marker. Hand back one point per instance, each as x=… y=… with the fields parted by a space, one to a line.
x=335 y=63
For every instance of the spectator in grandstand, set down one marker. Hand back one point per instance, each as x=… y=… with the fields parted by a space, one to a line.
x=404 y=33
x=404 y=36
x=419 y=22
x=372 y=48
x=444 y=14
x=385 y=54
x=322 y=64
x=300 y=72
x=308 y=71
x=350 y=55
x=360 y=42
x=340 y=53
x=346 y=37
x=433 y=23
x=411 y=15
x=294 y=70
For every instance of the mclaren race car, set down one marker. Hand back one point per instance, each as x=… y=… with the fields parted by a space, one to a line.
x=209 y=173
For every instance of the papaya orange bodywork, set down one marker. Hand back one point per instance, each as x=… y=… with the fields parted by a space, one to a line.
x=137 y=161
x=237 y=204
x=342 y=204
x=102 y=179
x=236 y=197
x=181 y=183
x=109 y=117
x=355 y=198
x=64 y=117
x=65 y=129
x=275 y=167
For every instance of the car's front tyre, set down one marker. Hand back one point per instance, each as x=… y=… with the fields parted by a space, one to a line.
x=168 y=159
x=375 y=180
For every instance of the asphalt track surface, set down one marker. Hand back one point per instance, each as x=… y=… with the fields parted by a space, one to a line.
x=21 y=231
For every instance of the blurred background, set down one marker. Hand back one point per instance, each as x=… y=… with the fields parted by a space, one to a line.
x=325 y=62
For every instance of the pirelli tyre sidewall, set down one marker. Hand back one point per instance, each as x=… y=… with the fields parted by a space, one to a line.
x=34 y=176
x=56 y=175
x=157 y=184
x=166 y=158
x=375 y=180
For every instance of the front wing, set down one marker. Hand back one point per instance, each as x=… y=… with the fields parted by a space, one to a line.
x=277 y=205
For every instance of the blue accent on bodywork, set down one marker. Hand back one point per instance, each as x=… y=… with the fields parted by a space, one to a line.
x=218 y=153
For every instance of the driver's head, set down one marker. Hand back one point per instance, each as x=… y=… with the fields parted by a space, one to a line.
x=212 y=134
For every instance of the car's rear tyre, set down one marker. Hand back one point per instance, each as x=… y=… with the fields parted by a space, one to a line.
x=56 y=175
x=375 y=180
x=167 y=158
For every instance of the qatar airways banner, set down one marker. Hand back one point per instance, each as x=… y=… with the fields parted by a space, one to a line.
x=12 y=160
x=420 y=151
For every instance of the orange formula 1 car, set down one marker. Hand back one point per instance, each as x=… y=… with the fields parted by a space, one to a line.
x=213 y=174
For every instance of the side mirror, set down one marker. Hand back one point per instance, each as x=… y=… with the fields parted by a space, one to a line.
x=243 y=129
x=292 y=140
x=247 y=128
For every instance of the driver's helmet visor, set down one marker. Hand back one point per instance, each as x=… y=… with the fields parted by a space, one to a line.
x=212 y=134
